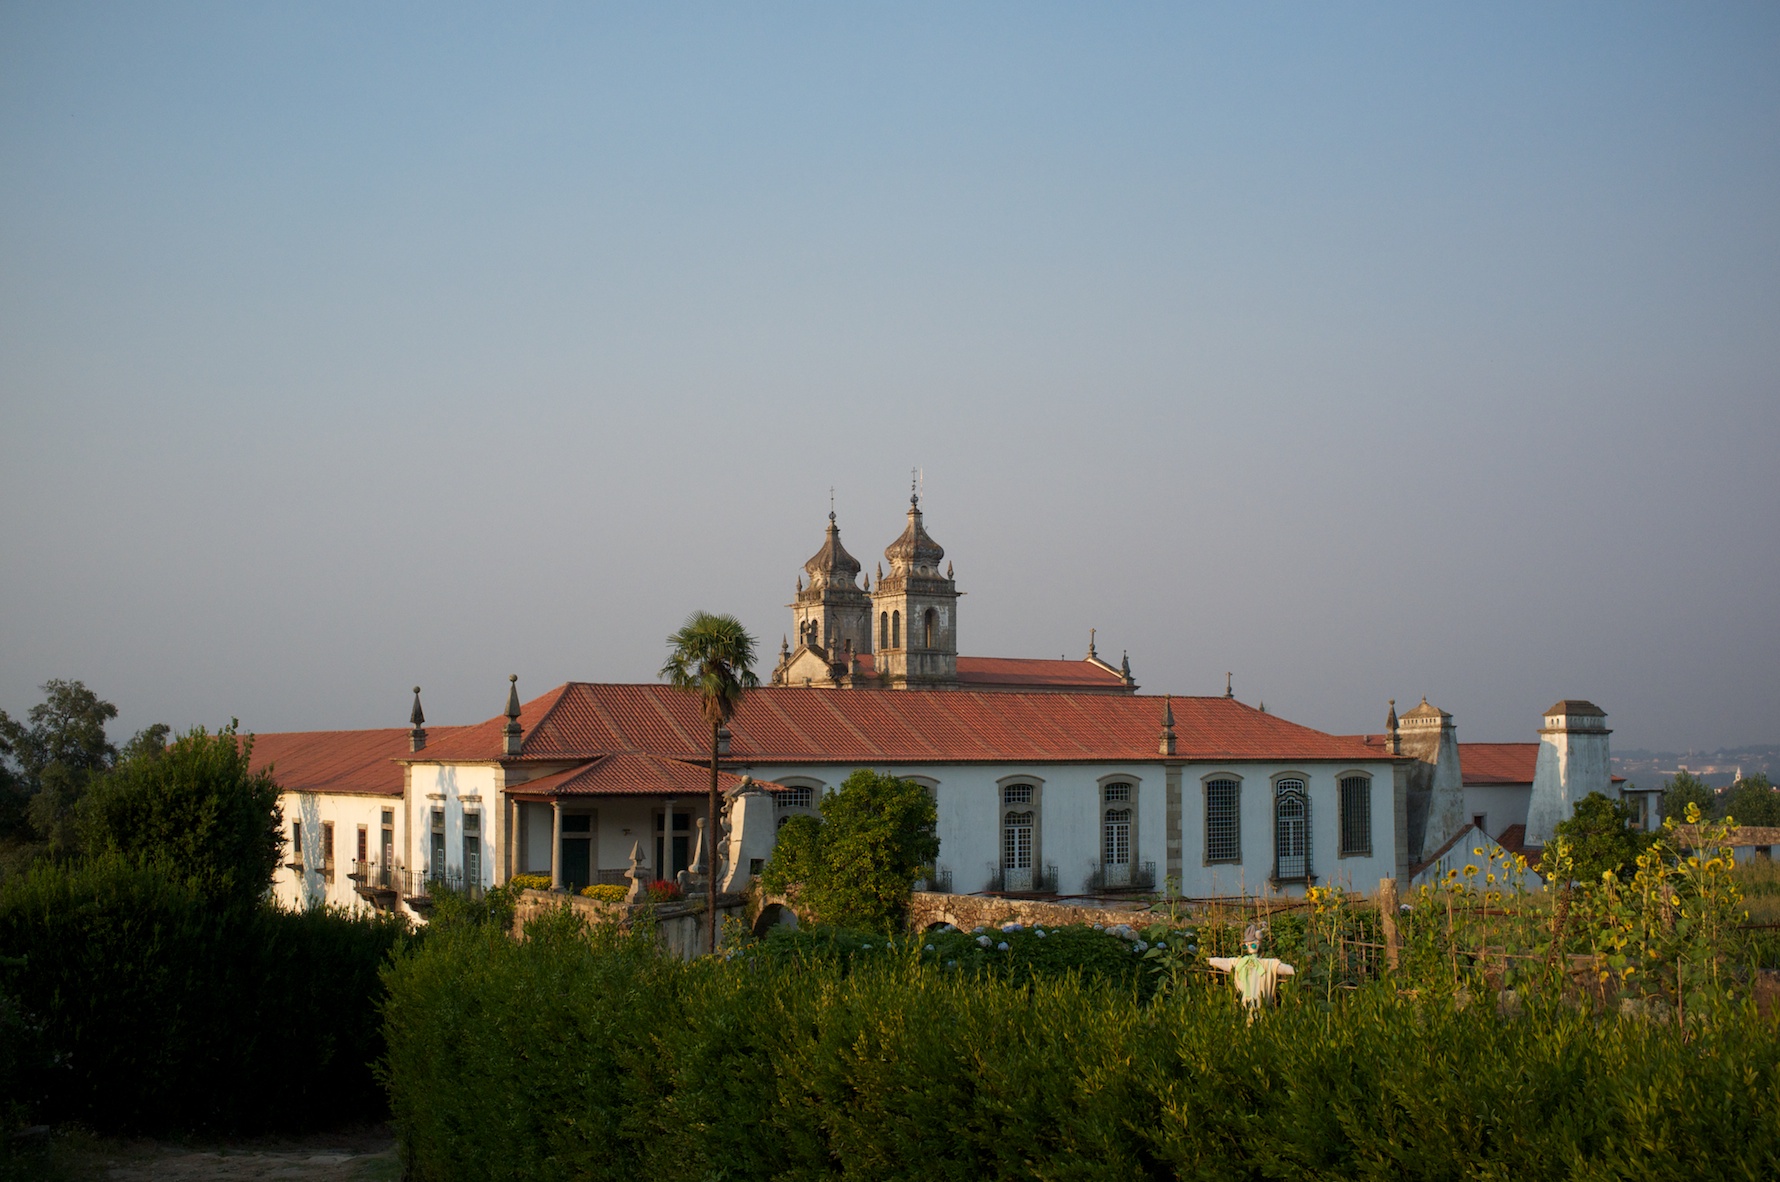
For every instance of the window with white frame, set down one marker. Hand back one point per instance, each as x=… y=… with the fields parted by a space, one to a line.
x=472 y=849
x=1223 y=819
x=1019 y=836
x=1116 y=832
x=1291 y=830
x=1356 y=816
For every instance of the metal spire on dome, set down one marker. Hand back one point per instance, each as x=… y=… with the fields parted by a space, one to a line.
x=513 y=733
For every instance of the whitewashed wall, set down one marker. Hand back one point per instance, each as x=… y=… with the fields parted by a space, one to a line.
x=310 y=887
x=1501 y=805
x=456 y=788
x=968 y=798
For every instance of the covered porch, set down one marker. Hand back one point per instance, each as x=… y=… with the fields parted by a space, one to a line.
x=580 y=826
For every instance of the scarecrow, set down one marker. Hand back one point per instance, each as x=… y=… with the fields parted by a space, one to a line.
x=1256 y=977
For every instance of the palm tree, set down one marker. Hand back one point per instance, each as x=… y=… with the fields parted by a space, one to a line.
x=713 y=657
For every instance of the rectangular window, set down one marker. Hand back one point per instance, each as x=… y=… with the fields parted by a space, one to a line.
x=472 y=849
x=1356 y=815
x=1223 y=822
x=327 y=849
x=1017 y=794
x=364 y=846
x=1118 y=793
x=296 y=842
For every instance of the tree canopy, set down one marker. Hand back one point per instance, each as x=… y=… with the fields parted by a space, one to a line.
x=856 y=866
x=712 y=656
x=196 y=809
x=1685 y=789
x=1752 y=801
x=1601 y=836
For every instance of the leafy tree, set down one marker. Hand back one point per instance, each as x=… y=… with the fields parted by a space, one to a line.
x=857 y=866
x=150 y=742
x=196 y=809
x=48 y=761
x=1753 y=801
x=1601 y=836
x=713 y=657
x=1685 y=789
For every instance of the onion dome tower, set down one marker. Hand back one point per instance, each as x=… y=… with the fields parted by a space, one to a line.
x=832 y=614
x=917 y=612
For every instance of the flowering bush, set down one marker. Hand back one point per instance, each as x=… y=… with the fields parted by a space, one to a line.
x=529 y=882
x=663 y=891
x=605 y=892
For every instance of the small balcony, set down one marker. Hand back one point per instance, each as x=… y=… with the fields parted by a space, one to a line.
x=418 y=887
x=375 y=883
x=1021 y=880
x=1104 y=879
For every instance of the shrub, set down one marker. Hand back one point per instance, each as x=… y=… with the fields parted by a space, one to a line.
x=162 y=1014
x=663 y=891
x=856 y=867
x=581 y=1054
x=606 y=892
x=530 y=882
x=196 y=809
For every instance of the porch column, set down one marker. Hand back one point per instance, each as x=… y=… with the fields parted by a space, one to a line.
x=556 y=845
x=666 y=869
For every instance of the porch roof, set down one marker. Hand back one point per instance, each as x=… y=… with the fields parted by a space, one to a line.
x=632 y=774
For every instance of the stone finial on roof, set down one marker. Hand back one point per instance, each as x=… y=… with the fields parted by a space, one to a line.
x=1125 y=664
x=1263 y=706
x=417 y=720
x=513 y=733
x=1228 y=692
x=1390 y=730
x=948 y=570
x=1091 y=653
x=1167 y=745
x=784 y=647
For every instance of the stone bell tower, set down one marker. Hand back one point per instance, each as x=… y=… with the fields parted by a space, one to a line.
x=832 y=615
x=917 y=612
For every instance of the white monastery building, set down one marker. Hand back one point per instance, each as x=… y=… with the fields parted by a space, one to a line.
x=1050 y=776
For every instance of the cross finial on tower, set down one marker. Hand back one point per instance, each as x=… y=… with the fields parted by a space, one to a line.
x=914 y=486
x=831 y=502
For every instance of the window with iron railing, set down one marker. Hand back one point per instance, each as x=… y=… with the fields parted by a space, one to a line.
x=1291 y=840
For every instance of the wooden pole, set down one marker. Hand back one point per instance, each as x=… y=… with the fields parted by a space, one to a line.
x=1387 y=919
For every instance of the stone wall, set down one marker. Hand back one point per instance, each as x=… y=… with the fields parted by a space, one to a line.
x=927 y=908
x=679 y=927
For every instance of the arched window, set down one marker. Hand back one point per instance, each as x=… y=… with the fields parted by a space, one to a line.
x=895 y=629
x=931 y=622
x=1117 y=833
x=1291 y=831
x=883 y=629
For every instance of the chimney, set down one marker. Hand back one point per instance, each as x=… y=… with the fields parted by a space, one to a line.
x=513 y=733
x=1573 y=762
x=417 y=720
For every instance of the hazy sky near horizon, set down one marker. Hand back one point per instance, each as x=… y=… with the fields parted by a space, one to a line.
x=1364 y=351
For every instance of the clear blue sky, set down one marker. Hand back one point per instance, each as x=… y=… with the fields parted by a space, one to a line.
x=1364 y=351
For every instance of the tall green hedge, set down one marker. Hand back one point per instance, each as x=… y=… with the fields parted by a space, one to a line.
x=586 y=1056
x=151 y=1011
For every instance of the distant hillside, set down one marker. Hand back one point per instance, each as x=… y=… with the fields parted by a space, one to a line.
x=1718 y=768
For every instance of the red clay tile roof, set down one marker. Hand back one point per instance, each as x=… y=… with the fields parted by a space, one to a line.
x=581 y=721
x=338 y=761
x=1020 y=671
x=1498 y=763
x=631 y=774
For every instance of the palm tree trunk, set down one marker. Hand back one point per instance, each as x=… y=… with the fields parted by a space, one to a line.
x=711 y=848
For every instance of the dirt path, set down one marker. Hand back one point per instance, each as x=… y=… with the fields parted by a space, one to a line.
x=366 y=1155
